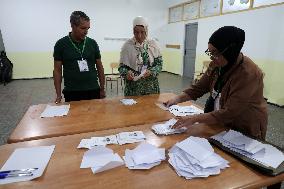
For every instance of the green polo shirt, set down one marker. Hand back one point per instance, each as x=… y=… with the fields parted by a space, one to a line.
x=74 y=80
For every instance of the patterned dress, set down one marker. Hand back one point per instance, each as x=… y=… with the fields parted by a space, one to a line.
x=143 y=86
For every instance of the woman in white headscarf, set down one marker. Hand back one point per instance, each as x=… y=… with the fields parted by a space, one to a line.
x=140 y=62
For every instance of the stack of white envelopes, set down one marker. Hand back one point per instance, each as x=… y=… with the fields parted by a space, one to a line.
x=144 y=156
x=130 y=137
x=265 y=154
x=100 y=159
x=166 y=128
x=195 y=157
x=184 y=110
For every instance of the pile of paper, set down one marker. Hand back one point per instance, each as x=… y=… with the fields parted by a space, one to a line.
x=265 y=154
x=121 y=138
x=130 y=137
x=128 y=101
x=195 y=157
x=166 y=128
x=35 y=158
x=52 y=111
x=184 y=110
x=100 y=159
x=144 y=156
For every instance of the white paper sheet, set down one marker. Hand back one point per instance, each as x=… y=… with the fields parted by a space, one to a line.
x=32 y=157
x=144 y=156
x=184 y=110
x=197 y=148
x=100 y=159
x=128 y=101
x=52 y=111
x=130 y=137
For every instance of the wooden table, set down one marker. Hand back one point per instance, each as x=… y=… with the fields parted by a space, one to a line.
x=63 y=169
x=91 y=115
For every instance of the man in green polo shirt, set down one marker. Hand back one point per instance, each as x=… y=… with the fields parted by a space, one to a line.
x=80 y=58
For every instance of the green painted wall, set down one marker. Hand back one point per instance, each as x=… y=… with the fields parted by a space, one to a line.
x=31 y=64
x=40 y=64
x=173 y=61
x=273 y=80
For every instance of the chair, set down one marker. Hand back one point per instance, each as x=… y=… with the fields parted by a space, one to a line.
x=198 y=75
x=114 y=76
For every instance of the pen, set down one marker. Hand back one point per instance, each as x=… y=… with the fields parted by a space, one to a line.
x=18 y=170
x=8 y=175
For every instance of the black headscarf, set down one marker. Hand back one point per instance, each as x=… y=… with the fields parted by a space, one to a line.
x=229 y=37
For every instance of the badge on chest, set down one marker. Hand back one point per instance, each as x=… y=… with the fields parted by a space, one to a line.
x=83 y=65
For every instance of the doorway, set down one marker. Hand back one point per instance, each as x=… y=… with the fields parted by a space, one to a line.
x=2 y=48
x=190 y=43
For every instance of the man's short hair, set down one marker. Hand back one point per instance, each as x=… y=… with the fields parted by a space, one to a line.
x=76 y=17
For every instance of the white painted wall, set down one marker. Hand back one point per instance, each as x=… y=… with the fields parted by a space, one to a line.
x=35 y=25
x=264 y=32
x=263 y=27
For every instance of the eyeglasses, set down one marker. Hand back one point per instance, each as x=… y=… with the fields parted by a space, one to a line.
x=215 y=55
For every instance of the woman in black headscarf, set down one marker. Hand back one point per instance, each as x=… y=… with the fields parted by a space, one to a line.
x=235 y=84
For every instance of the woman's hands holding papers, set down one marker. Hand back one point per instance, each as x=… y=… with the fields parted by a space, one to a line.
x=186 y=121
x=146 y=74
x=130 y=75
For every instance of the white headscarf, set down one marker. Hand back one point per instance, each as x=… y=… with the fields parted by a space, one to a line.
x=129 y=56
x=140 y=21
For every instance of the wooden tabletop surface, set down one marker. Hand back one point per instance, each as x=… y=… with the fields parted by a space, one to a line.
x=63 y=170
x=91 y=115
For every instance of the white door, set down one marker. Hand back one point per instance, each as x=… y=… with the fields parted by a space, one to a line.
x=2 y=48
x=190 y=50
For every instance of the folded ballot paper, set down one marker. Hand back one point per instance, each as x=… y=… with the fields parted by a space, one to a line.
x=128 y=101
x=26 y=164
x=121 y=138
x=53 y=111
x=166 y=128
x=264 y=154
x=195 y=157
x=130 y=137
x=184 y=110
x=136 y=78
x=100 y=159
x=144 y=156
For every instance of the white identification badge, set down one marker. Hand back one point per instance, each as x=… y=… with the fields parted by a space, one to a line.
x=217 y=97
x=83 y=65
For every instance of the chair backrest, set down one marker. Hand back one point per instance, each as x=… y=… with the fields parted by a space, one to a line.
x=113 y=66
